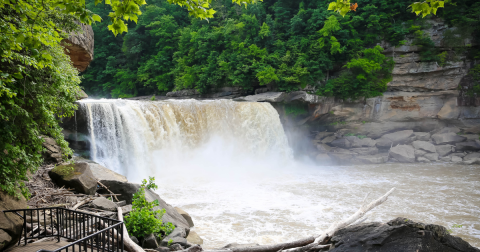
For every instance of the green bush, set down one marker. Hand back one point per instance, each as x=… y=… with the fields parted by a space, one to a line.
x=143 y=220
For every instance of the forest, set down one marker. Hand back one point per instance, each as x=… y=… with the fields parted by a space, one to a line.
x=287 y=44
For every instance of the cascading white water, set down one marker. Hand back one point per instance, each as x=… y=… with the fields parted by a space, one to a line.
x=139 y=136
x=229 y=166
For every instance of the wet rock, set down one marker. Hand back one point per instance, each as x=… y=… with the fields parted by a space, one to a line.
x=341 y=143
x=447 y=138
x=368 y=142
x=162 y=249
x=423 y=145
x=176 y=247
x=365 y=150
x=431 y=156
x=194 y=238
x=419 y=153
x=104 y=204
x=459 y=154
x=452 y=129
x=471 y=137
x=178 y=236
x=323 y=148
x=77 y=176
x=185 y=215
x=472 y=158
x=403 y=153
x=322 y=135
x=372 y=159
x=399 y=137
x=422 y=160
x=468 y=146
x=444 y=150
x=328 y=139
x=446 y=159
x=341 y=156
x=397 y=235
x=422 y=136
x=126 y=191
x=456 y=159
x=150 y=242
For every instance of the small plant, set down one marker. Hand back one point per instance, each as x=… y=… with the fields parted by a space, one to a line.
x=349 y=134
x=170 y=242
x=331 y=112
x=454 y=226
x=361 y=136
x=143 y=220
x=364 y=122
x=153 y=98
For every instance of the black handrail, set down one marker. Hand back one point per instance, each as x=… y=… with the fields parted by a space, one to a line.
x=73 y=225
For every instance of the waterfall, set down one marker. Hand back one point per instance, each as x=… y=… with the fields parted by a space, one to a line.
x=132 y=136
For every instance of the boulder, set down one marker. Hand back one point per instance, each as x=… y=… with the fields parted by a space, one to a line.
x=341 y=143
x=452 y=129
x=431 y=156
x=471 y=137
x=456 y=159
x=397 y=235
x=52 y=151
x=446 y=159
x=77 y=176
x=178 y=236
x=419 y=153
x=185 y=215
x=328 y=139
x=422 y=136
x=104 y=174
x=403 y=153
x=468 y=146
x=372 y=159
x=459 y=154
x=322 y=135
x=423 y=145
x=472 y=158
x=422 y=160
x=150 y=242
x=104 y=204
x=264 y=97
x=444 y=150
x=194 y=238
x=323 y=148
x=10 y=223
x=176 y=247
x=447 y=138
x=341 y=156
x=399 y=137
x=134 y=239
x=127 y=209
x=368 y=142
x=80 y=47
x=365 y=150
x=354 y=141
x=126 y=191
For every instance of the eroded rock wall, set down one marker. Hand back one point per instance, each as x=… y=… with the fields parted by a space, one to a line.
x=79 y=46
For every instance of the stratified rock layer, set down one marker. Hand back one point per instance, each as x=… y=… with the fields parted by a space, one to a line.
x=79 y=47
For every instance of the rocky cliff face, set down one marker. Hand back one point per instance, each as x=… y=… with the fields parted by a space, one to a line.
x=79 y=46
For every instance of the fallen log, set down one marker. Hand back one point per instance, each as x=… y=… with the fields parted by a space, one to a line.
x=277 y=247
x=130 y=246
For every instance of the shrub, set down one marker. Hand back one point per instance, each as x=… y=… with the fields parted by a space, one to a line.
x=143 y=220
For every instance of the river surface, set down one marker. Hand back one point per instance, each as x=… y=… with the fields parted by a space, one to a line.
x=268 y=206
x=229 y=165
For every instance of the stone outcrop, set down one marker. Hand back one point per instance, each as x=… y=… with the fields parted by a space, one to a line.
x=79 y=46
x=10 y=223
x=52 y=152
x=77 y=176
x=185 y=215
x=400 y=234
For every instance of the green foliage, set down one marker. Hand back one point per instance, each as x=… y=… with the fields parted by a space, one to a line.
x=366 y=76
x=153 y=98
x=428 y=7
x=143 y=220
x=296 y=110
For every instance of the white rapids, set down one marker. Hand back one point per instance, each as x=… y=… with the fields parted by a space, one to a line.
x=228 y=164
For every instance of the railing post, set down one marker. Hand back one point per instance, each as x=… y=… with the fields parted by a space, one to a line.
x=59 y=224
x=25 y=226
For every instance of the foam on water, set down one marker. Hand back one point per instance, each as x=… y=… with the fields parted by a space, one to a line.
x=229 y=166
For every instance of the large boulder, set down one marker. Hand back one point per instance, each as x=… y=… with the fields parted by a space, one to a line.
x=104 y=204
x=178 y=236
x=10 y=223
x=444 y=150
x=194 y=238
x=355 y=142
x=468 y=146
x=368 y=142
x=185 y=215
x=403 y=153
x=126 y=191
x=431 y=156
x=341 y=143
x=80 y=47
x=323 y=148
x=322 y=135
x=77 y=176
x=422 y=136
x=423 y=145
x=397 y=235
x=447 y=138
x=264 y=97
x=392 y=139
x=472 y=158
x=103 y=174
x=150 y=242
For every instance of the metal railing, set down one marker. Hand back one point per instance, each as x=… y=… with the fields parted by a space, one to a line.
x=87 y=231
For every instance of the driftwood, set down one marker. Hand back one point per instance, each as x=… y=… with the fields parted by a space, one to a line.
x=111 y=193
x=130 y=246
x=81 y=203
x=276 y=247
x=353 y=218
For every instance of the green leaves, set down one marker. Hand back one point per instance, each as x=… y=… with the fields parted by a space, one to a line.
x=427 y=7
x=340 y=6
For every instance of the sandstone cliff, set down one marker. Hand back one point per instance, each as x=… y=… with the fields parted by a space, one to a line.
x=79 y=46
